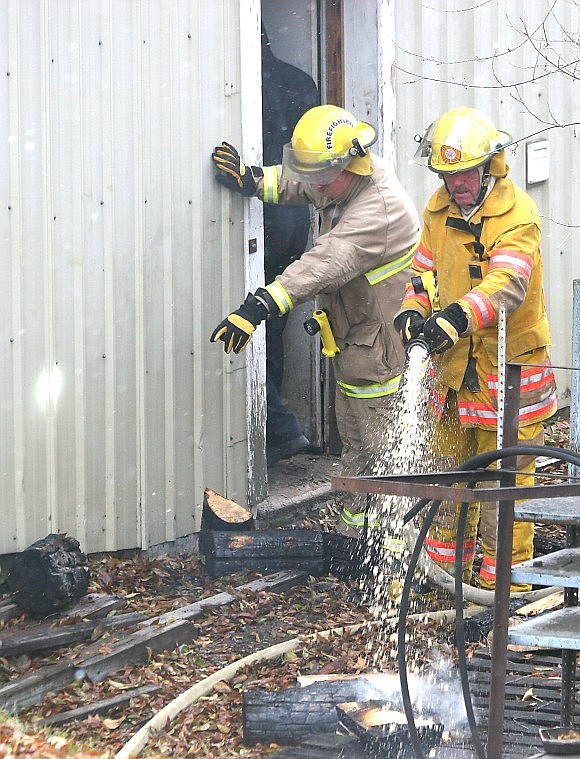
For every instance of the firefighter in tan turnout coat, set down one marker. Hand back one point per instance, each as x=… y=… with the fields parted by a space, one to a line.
x=481 y=239
x=357 y=269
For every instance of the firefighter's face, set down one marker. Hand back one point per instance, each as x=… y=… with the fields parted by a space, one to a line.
x=464 y=186
x=337 y=187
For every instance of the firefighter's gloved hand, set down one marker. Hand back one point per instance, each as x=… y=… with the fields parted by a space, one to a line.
x=409 y=325
x=443 y=329
x=232 y=171
x=236 y=329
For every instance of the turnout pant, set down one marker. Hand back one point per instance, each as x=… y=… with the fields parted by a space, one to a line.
x=461 y=443
x=362 y=424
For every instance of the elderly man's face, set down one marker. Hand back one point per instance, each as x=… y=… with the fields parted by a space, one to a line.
x=464 y=186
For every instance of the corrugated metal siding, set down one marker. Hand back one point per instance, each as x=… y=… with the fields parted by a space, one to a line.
x=476 y=54
x=112 y=401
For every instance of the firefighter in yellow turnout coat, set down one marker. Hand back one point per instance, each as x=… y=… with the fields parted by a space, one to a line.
x=357 y=269
x=481 y=239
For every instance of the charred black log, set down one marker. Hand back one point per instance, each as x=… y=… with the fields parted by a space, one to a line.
x=289 y=716
x=263 y=551
x=49 y=575
x=221 y=513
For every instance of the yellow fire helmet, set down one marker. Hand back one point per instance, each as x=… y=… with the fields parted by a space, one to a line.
x=463 y=139
x=328 y=140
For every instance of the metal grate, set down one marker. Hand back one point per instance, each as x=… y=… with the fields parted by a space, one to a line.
x=533 y=686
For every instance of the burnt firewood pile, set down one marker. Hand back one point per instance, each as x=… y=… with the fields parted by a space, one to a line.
x=230 y=542
x=361 y=717
x=328 y=706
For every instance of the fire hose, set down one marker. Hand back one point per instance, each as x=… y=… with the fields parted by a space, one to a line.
x=462 y=591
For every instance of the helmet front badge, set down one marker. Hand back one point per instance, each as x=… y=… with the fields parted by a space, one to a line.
x=450 y=154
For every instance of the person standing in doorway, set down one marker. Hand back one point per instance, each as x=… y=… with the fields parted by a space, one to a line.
x=481 y=241
x=357 y=268
x=287 y=93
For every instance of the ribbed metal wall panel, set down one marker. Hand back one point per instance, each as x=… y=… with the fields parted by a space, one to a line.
x=115 y=411
x=460 y=52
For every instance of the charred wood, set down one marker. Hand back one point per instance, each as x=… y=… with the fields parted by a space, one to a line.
x=9 y=610
x=103 y=658
x=221 y=513
x=45 y=637
x=93 y=606
x=226 y=552
x=107 y=656
x=289 y=716
x=30 y=689
x=49 y=575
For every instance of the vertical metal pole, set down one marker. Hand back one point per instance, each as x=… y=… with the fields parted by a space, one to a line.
x=574 y=470
x=501 y=362
x=503 y=568
x=571 y=594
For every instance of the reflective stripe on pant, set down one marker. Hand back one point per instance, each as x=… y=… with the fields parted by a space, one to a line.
x=362 y=425
x=460 y=444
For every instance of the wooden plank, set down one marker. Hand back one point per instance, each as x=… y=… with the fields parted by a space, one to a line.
x=191 y=611
x=553 y=601
x=94 y=606
x=9 y=610
x=30 y=689
x=101 y=660
x=103 y=706
x=104 y=660
x=91 y=606
x=278 y=582
x=45 y=637
x=275 y=583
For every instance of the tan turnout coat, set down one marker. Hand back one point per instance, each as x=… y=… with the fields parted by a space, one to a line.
x=357 y=268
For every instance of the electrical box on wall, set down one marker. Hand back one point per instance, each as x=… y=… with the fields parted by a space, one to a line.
x=537 y=162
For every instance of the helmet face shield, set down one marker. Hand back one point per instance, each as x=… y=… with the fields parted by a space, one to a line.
x=325 y=141
x=423 y=152
x=313 y=167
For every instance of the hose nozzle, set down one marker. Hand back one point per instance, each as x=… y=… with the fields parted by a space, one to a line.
x=418 y=341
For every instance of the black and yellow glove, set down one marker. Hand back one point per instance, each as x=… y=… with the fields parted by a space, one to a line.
x=236 y=330
x=232 y=171
x=443 y=329
x=409 y=325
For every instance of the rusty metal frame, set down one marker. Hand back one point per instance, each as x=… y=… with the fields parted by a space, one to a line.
x=439 y=486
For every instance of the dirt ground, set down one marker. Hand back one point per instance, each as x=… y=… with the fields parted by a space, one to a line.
x=212 y=726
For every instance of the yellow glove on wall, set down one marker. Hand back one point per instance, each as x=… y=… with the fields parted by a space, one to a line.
x=232 y=171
